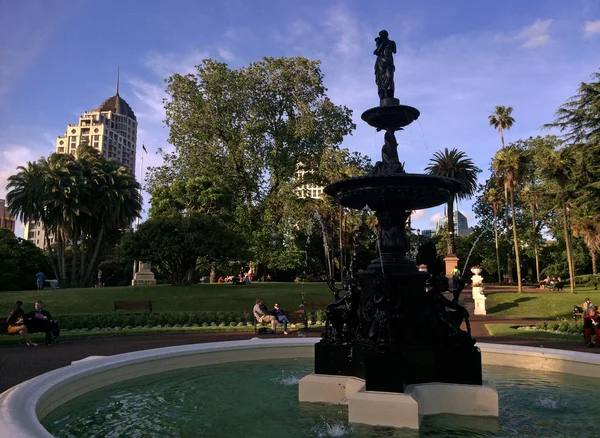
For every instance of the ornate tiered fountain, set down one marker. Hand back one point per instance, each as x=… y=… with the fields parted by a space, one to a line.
x=393 y=327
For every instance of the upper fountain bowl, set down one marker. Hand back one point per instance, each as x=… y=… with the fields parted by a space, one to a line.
x=391 y=117
x=407 y=191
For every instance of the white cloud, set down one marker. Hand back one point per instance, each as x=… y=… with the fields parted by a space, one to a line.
x=11 y=157
x=591 y=29
x=433 y=220
x=532 y=36
x=148 y=99
x=345 y=30
x=165 y=64
x=225 y=53
x=417 y=215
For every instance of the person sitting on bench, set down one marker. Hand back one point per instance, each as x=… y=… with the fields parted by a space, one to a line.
x=16 y=323
x=591 y=324
x=281 y=317
x=261 y=314
x=40 y=320
x=587 y=306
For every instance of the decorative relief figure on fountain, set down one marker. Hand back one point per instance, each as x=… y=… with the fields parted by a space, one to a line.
x=389 y=152
x=384 y=66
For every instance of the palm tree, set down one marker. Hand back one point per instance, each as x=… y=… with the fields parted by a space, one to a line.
x=454 y=164
x=531 y=195
x=501 y=119
x=510 y=162
x=557 y=168
x=587 y=227
x=493 y=197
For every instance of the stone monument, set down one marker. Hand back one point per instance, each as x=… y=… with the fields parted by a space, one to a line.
x=391 y=332
x=477 y=290
x=144 y=276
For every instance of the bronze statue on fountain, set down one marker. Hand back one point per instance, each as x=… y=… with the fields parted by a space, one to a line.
x=393 y=326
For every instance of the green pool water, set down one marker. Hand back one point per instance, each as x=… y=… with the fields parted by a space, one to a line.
x=260 y=399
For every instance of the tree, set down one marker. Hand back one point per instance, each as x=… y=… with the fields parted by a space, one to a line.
x=247 y=131
x=501 y=119
x=557 y=168
x=20 y=261
x=493 y=197
x=177 y=244
x=454 y=164
x=78 y=200
x=578 y=117
x=510 y=162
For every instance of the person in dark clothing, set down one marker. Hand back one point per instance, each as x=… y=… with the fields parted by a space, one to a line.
x=16 y=323
x=281 y=317
x=591 y=324
x=40 y=320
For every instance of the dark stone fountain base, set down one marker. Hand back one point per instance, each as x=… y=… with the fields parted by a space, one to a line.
x=393 y=371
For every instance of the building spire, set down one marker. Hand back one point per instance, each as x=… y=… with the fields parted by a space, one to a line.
x=117 y=81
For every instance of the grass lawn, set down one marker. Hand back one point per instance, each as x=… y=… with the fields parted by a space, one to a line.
x=510 y=331
x=549 y=305
x=166 y=298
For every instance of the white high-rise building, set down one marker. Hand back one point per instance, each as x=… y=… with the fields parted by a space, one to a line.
x=307 y=189
x=111 y=129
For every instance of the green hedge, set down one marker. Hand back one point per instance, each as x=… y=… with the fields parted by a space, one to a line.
x=562 y=325
x=71 y=322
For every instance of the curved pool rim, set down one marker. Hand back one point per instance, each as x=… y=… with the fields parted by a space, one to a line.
x=23 y=406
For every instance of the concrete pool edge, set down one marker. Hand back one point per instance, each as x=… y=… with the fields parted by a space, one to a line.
x=22 y=405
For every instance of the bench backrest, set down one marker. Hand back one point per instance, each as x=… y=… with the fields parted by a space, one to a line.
x=130 y=305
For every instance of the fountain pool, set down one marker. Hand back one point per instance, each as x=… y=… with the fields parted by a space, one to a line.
x=249 y=398
x=222 y=388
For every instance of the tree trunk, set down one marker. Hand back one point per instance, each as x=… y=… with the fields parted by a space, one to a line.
x=51 y=256
x=497 y=252
x=451 y=250
x=514 y=226
x=593 y=256
x=508 y=258
x=88 y=274
x=535 y=248
x=74 y=248
x=341 y=244
x=567 y=242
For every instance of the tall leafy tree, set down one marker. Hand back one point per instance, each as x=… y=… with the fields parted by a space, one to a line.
x=557 y=169
x=454 y=164
x=247 y=131
x=578 y=117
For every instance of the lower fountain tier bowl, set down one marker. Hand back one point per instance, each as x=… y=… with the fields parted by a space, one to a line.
x=391 y=117
x=407 y=191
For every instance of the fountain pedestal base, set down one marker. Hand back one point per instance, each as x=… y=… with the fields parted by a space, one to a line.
x=393 y=371
x=395 y=409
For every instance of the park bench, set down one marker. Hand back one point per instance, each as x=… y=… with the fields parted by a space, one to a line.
x=300 y=316
x=133 y=305
x=577 y=312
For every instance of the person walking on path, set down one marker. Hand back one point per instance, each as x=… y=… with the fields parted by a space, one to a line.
x=40 y=277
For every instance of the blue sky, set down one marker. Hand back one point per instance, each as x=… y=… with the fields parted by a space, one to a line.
x=456 y=60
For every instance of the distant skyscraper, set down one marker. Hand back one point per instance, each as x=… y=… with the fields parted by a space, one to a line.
x=461 y=225
x=6 y=220
x=428 y=233
x=111 y=129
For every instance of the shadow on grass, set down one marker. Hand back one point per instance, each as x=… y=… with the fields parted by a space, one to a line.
x=505 y=306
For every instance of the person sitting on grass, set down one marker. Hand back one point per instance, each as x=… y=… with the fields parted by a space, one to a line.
x=261 y=314
x=591 y=324
x=40 y=320
x=16 y=323
x=281 y=317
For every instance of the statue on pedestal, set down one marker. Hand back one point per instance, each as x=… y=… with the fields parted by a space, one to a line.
x=384 y=65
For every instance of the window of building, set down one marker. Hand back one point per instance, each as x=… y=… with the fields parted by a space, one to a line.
x=96 y=129
x=73 y=131
x=61 y=142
